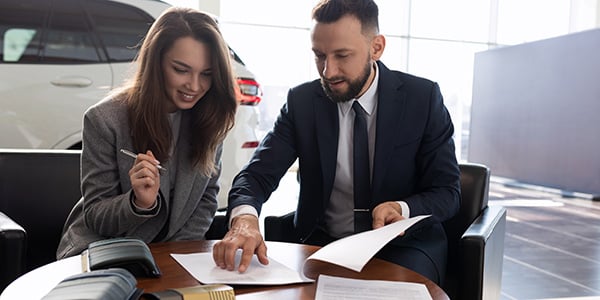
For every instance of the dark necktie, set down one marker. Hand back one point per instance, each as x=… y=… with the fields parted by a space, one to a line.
x=362 y=174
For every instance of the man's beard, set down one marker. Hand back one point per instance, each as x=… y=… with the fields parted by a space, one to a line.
x=354 y=86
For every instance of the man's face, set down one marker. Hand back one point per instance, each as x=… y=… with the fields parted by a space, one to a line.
x=344 y=58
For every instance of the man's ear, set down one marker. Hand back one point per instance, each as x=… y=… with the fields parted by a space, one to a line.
x=377 y=46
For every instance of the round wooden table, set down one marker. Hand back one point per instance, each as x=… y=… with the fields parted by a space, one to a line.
x=38 y=282
x=292 y=255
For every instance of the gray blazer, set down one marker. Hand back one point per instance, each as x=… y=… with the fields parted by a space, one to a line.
x=187 y=207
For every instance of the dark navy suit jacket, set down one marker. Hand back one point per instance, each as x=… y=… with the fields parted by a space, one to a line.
x=414 y=157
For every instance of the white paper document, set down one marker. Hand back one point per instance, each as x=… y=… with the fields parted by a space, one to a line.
x=334 y=288
x=203 y=268
x=352 y=252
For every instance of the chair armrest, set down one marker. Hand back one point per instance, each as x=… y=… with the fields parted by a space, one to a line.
x=280 y=228
x=13 y=242
x=482 y=254
x=218 y=228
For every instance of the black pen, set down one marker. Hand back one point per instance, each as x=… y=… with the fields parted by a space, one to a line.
x=133 y=155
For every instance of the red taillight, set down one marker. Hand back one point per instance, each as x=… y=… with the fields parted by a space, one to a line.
x=249 y=91
x=252 y=144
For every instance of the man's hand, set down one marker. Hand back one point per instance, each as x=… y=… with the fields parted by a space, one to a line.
x=387 y=213
x=244 y=234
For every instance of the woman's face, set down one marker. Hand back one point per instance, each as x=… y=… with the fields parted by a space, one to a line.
x=187 y=73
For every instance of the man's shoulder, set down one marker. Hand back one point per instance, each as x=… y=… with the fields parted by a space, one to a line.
x=306 y=94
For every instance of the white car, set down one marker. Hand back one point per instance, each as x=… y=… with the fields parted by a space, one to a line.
x=59 y=57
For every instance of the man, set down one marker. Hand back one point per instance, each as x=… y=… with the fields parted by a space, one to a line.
x=411 y=159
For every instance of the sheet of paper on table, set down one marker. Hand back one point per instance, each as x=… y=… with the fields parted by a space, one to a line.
x=352 y=252
x=203 y=268
x=334 y=288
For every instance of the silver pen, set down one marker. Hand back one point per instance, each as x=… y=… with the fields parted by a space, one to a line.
x=133 y=155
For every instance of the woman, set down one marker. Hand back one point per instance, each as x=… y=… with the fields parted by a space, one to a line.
x=174 y=114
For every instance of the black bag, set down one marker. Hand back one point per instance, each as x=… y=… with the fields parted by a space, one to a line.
x=108 y=284
x=127 y=253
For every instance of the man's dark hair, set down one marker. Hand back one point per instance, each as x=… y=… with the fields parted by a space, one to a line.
x=366 y=11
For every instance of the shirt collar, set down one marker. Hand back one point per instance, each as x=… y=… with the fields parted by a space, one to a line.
x=367 y=100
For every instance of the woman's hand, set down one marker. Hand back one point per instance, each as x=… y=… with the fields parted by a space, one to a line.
x=145 y=179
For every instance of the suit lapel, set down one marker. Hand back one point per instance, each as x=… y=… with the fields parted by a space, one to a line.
x=185 y=177
x=390 y=113
x=327 y=127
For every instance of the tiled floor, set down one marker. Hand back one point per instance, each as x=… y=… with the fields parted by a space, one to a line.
x=552 y=244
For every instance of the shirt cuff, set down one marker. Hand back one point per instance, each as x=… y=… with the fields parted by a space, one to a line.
x=405 y=209
x=242 y=210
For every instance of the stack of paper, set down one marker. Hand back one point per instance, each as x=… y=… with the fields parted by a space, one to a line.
x=334 y=288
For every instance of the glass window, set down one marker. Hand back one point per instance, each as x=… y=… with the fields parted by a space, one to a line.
x=466 y=20
x=394 y=54
x=120 y=27
x=268 y=12
x=451 y=65
x=286 y=61
x=69 y=39
x=16 y=41
x=435 y=39
x=394 y=17
x=21 y=24
x=525 y=21
x=583 y=15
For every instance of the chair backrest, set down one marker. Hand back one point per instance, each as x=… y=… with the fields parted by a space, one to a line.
x=218 y=228
x=12 y=250
x=38 y=189
x=474 y=185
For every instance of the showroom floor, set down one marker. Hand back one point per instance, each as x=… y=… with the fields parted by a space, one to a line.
x=552 y=244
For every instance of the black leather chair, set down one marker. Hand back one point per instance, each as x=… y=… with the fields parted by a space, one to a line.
x=12 y=250
x=38 y=188
x=218 y=228
x=475 y=239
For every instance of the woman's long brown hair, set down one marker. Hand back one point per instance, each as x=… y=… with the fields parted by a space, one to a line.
x=213 y=116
